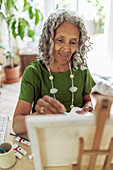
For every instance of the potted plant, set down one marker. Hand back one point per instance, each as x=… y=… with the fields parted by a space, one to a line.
x=99 y=17
x=11 y=70
x=18 y=24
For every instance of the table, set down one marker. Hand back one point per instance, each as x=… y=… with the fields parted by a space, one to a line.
x=21 y=164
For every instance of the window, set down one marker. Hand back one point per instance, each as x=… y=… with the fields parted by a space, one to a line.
x=73 y=4
x=90 y=10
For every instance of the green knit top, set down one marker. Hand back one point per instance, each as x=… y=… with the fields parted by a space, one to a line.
x=35 y=84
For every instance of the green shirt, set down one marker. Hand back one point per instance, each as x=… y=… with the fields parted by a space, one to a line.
x=35 y=84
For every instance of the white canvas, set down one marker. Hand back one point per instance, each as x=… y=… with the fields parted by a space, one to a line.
x=55 y=138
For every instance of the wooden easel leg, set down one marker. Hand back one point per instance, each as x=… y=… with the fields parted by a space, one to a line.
x=102 y=114
x=108 y=158
x=81 y=146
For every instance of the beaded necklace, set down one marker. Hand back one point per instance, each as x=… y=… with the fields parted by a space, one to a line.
x=73 y=88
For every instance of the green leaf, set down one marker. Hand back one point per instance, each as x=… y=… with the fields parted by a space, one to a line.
x=41 y=16
x=36 y=16
x=2 y=16
x=101 y=8
x=31 y=12
x=57 y=6
x=25 y=2
x=27 y=6
x=14 y=5
x=21 y=27
x=14 y=28
x=9 y=19
x=89 y=1
x=0 y=4
x=8 y=5
x=31 y=34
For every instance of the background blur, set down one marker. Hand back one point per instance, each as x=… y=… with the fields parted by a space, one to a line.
x=98 y=17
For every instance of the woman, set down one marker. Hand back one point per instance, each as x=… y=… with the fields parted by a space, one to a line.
x=60 y=80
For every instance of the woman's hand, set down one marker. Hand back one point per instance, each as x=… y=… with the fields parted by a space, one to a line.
x=49 y=105
x=86 y=108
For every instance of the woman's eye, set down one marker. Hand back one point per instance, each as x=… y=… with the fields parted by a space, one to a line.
x=60 y=40
x=73 y=42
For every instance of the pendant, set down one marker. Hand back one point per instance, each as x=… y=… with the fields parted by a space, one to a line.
x=71 y=106
x=73 y=89
x=53 y=90
x=71 y=76
x=51 y=77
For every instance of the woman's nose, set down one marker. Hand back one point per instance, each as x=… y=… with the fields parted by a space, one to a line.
x=66 y=47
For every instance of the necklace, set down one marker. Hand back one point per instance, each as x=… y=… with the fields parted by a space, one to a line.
x=73 y=88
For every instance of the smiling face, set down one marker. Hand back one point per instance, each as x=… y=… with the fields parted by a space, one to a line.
x=65 y=42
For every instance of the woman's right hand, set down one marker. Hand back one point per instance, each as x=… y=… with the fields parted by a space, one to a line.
x=49 y=105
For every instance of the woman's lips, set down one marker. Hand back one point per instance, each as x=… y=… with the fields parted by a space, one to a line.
x=64 y=55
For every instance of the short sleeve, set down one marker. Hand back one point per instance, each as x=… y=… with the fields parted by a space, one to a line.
x=27 y=88
x=89 y=83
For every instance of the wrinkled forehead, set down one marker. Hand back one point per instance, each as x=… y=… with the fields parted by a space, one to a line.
x=67 y=29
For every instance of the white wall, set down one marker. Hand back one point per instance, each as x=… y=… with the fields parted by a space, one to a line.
x=109 y=30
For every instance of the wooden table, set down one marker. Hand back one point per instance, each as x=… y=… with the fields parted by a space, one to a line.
x=21 y=164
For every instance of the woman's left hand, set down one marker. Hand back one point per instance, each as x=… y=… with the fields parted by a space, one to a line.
x=86 y=108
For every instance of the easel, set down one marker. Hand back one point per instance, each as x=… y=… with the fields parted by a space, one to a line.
x=63 y=141
x=102 y=113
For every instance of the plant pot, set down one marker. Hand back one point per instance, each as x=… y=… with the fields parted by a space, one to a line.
x=12 y=73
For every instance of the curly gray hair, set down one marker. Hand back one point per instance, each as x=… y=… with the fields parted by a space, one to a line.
x=46 y=42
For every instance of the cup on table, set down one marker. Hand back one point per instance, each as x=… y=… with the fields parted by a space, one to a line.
x=7 y=158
